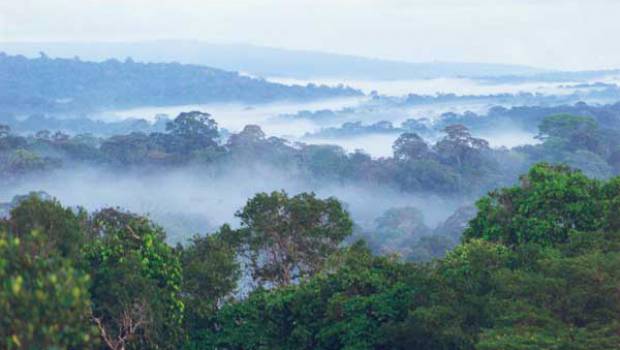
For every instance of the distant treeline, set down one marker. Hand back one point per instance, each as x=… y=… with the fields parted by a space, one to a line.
x=456 y=164
x=71 y=85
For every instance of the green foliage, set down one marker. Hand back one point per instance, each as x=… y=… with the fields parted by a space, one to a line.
x=23 y=161
x=341 y=309
x=550 y=202
x=569 y=131
x=136 y=285
x=430 y=247
x=211 y=272
x=44 y=299
x=288 y=238
x=537 y=269
x=61 y=226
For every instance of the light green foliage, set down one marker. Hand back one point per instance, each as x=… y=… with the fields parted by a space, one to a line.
x=136 y=280
x=44 y=300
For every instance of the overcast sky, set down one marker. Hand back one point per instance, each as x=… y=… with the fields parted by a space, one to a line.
x=566 y=34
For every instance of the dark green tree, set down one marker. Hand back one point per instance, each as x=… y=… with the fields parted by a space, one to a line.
x=61 y=226
x=211 y=272
x=193 y=131
x=550 y=202
x=570 y=132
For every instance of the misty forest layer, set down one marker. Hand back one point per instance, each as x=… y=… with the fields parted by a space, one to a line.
x=178 y=206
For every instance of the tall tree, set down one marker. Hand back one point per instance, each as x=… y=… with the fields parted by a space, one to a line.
x=210 y=274
x=61 y=226
x=410 y=146
x=288 y=238
x=136 y=285
x=193 y=131
x=550 y=202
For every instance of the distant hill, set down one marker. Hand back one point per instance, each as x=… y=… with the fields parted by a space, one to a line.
x=269 y=62
x=71 y=85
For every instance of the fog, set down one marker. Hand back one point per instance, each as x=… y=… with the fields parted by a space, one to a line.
x=377 y=145
x=508 y=137
x=198 y=200
x=234 y=117
x=458 y=86
x=280 y=120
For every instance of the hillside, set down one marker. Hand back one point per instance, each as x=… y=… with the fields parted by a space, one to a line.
x=72 y=85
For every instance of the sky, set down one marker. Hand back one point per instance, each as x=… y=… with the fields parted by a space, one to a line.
x=558 y=34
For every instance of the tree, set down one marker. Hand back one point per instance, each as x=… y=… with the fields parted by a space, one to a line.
x=430 y=247
x=288 y=238
x=571 y=132
x=193 y=131
x=127 y=150
x=562 y=303
x=343 y=307
x=460 y=147
x=410 y=146
x=426 y=175
x=324 y=161
x=61 y=226
x=550 y=202
x=248 y=137
x=397 y=229
x=44 y=300
x=401 y=221
x=136 y=285
x=515 y=282
x=211 y=272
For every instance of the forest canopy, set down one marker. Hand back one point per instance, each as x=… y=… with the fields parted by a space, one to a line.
x=537 y=267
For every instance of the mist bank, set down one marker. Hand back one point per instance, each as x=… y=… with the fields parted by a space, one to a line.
x=190 y=180
x=192 y=200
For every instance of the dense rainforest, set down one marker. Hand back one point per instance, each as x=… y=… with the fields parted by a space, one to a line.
x=536 y=268
x=532 y=265
x=309 y=175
